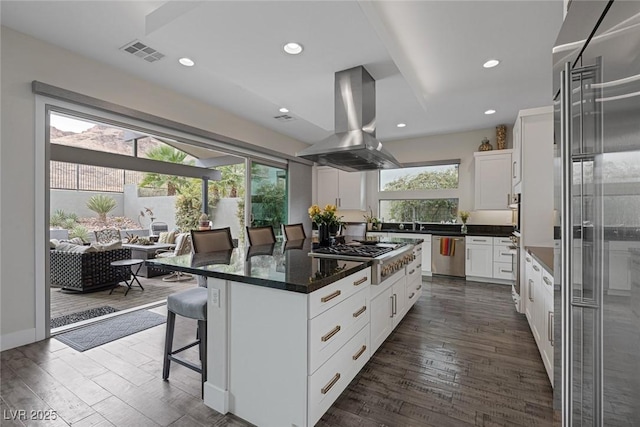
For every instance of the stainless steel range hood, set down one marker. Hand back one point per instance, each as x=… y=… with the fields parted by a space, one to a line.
x=354 y=146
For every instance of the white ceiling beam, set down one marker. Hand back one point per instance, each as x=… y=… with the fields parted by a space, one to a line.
x=212 y=162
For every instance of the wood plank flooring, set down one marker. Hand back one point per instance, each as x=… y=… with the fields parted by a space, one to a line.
x=461 y=356
x=67 y=302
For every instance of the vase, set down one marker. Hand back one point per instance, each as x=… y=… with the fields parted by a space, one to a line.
x=369 y=226
x=501 y=137
x=463 y=229
x=324 y=237
x=485 y=146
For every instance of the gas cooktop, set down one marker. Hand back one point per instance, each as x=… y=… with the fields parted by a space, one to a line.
x=366 y=251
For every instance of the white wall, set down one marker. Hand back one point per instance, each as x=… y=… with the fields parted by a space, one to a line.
x=163 y=207
x=72 y=201
x=24 y=59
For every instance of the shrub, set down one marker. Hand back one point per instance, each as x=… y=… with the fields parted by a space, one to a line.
x=79 y=231
x=69 y=223
x=102 y=205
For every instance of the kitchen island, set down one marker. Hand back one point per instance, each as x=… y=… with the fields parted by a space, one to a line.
x=286 y=332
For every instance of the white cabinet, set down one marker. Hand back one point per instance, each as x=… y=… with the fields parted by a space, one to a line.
x=479 y=257
x=340 y=188
x=503 y=259
x=536 y=175
x=516 y=155
x=388 y=307
x=414 y=282
x=492 y=179
x=539 y=309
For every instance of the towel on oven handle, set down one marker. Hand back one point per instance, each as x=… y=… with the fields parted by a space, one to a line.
x=447 y=246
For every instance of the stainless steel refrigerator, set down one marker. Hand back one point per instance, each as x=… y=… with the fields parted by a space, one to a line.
x=597 y=184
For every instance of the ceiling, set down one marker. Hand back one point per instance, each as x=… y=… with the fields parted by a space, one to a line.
x=426 y=56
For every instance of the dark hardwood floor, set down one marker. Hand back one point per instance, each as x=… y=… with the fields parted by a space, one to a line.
x=461 y=356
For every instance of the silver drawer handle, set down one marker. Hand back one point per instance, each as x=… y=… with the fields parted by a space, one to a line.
x=535 y=267
x=331 y=296
x=359 y=312
x=419 y=266
x=359 y=353
x=547 y=281
x=412 y=271
x=530 y=288
x=418 y=288
x=330 y=334
x=334 y=380
x=361 y=281
x=505 y=271
x=412 y=295
x=528 y=259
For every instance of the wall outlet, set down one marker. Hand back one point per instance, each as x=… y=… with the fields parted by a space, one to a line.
x=215 y=297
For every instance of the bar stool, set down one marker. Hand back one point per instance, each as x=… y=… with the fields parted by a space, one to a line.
x=191 y=304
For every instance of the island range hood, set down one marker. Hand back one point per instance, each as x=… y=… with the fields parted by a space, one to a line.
x=353 y=147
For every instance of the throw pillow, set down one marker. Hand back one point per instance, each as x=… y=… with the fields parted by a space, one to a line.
x=53 y=243
x=167 y=237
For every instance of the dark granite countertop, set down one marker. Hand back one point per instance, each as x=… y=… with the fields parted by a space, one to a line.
x=283 y=265
x=450 y=229
x=542 y=254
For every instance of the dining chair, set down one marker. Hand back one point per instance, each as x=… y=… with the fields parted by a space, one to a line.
x=218 y=239
x=261 y=235
x=293 y=232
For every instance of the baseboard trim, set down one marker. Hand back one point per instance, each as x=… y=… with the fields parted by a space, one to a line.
x=216 y=398
x=17 y=339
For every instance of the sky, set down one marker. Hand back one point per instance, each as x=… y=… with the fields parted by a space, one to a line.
x=67 y=124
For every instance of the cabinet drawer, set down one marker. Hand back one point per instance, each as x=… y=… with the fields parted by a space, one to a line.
x=504 y=241
x=503 y=270
x=414 y=269
x=477 y=240
x=326 y=384
x=503 y=254
x=329 y=296
x=330 y=330
x=414 y=291
x=547 y=281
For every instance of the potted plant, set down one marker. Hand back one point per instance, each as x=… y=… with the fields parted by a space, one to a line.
x=325 y=219
x=464 y=217
x=373 y=223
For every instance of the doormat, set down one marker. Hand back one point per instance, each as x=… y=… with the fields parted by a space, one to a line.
x=110 y=330
x=68 y=319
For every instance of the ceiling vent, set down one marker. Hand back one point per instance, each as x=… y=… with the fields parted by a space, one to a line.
x=284 y=118
x=142 y=51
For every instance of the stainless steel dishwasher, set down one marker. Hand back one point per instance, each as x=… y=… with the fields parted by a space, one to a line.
x=447 y=257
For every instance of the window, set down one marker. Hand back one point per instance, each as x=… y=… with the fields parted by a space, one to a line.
x=426 y=193
x=421 y=210
x=419 y=178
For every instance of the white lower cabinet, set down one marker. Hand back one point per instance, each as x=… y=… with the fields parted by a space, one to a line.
x=326 y=384
x=388 y=307
x=414 y=283
x=479 y=257
x=538 y=300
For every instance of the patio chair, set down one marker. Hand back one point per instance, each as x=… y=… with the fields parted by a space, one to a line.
x=107 y=235
x=183 y=247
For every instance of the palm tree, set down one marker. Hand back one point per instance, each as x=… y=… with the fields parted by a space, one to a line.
x=165 y=153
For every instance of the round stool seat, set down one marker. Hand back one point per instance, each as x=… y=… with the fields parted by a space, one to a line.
x=191 y=303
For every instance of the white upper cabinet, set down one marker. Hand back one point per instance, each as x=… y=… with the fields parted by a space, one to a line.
x=516 y=156
x=493 y=175
x=340 y=188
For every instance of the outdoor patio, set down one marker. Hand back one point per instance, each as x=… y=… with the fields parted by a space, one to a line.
x=65 y=302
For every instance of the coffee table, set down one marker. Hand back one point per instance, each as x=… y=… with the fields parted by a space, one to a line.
x=126 y=268
x=147 y=252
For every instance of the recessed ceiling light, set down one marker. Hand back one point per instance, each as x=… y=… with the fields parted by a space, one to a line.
x=284 y=110
x=187 y=62
x=491 y=63
x=401 y=125
x=490 y=112
x=293 y=48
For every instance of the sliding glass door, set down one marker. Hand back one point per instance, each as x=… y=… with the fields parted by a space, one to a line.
x=268 y=196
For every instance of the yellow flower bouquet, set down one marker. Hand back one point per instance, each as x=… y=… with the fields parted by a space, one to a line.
x=325 y=216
